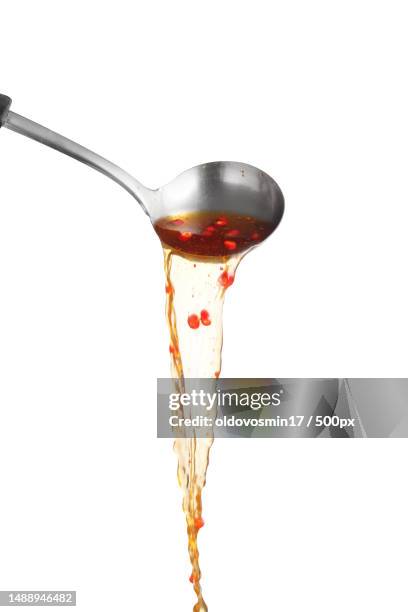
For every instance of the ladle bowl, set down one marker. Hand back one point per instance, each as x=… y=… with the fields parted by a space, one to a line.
x=230 y=187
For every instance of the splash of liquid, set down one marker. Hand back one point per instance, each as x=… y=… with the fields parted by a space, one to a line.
x=201 y=255
x=194 y=287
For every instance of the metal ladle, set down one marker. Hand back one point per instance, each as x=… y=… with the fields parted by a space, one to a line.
x=230 y=187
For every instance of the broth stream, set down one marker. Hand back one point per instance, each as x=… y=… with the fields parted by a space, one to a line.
x=201 y=255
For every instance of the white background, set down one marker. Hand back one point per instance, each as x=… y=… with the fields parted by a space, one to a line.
x=314 y=93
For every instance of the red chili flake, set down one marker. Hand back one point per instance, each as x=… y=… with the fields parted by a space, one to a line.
x=184 y=236
x=208 y=231
x=198 y=523
x=169 y=288
x=172 y=349
x=193 y=321
x=255 y=236
x=232 y=233
x=217 y=374
x=177 y=222
x=205 y=317
x=193 y=578
x=221 y=221
x=226 y=279
x=230 y=244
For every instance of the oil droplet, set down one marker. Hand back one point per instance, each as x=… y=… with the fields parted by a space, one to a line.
x=193 y=321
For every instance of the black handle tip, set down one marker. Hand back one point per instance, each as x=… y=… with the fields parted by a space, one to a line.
x=5 y=102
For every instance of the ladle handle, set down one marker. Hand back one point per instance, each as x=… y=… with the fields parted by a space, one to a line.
x=41 y=134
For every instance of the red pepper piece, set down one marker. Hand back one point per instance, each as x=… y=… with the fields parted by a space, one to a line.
x=232 y=233
x=226 y=280
x=184 y=236
x=221 y=222
x=193 y=321
x=198 y=523
x=205 y=317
